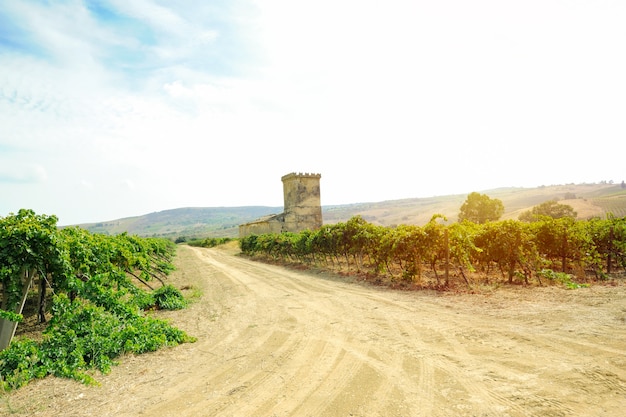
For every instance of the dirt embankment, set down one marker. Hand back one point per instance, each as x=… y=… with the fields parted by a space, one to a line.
x=276 y=342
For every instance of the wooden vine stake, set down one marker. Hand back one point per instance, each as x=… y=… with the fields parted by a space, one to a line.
x=8 y=327
x=447 y=248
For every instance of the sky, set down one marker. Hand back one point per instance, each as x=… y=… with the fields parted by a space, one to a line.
x=112 y=109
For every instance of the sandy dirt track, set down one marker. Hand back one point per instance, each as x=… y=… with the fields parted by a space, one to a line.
x=278 y=342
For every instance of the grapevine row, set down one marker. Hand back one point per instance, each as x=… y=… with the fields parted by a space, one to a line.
x=513 y=249
x=101 y=288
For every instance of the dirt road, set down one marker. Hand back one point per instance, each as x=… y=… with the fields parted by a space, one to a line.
x=277 y=342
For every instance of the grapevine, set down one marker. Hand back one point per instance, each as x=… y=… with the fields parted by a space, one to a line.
x=102 y=287
x=521 y=251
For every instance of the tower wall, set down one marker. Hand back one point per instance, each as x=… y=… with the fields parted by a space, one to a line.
x=303 y=209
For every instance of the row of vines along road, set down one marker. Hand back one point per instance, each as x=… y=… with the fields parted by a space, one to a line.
x=98 y=288
x=545 y=251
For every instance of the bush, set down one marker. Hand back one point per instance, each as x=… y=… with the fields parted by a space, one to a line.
x=83 y=336
x=210 y=242
x=562 y=278
x=169 y=298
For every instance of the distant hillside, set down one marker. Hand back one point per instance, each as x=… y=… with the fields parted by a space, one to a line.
x=588 y=200
x=190 y=222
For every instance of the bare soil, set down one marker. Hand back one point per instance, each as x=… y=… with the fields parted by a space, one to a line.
x=279 y=342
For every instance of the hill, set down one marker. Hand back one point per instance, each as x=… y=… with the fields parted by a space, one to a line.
x=189 y=221
x=589 y=200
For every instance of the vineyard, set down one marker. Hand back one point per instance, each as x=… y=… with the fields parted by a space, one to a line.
x=615 y=204
x=437 y=255
x=100 y=289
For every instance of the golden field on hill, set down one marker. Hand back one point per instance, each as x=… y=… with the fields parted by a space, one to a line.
x=588 y=200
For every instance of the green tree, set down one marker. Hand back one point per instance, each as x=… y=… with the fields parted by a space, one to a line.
x=549 y=208
x=480 y=208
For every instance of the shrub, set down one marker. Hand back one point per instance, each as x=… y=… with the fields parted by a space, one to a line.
x=169 y=298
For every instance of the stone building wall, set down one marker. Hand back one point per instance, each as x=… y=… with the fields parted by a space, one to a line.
x=269 y=224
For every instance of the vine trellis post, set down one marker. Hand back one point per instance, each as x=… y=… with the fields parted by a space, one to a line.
x=8 y=327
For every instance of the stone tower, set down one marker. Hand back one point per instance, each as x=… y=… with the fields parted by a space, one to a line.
x=303 y=209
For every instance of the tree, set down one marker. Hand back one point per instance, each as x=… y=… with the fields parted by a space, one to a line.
x=550 y=209
x=480 y=208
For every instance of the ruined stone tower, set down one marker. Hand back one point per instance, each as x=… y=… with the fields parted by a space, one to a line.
x=303 y=209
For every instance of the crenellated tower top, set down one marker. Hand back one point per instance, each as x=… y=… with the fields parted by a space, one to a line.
x=300 y=175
